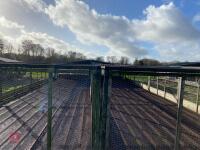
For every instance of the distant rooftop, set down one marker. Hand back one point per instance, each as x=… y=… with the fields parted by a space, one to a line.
x=6 y=60
x=89 y=62
x=189 y=64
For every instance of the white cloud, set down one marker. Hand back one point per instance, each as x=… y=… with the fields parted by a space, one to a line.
x=10 y=30
x=35 y=5
x=91 y=27
x=164 y=25
x=196 y=18
x=9 y=24
x=14 y=33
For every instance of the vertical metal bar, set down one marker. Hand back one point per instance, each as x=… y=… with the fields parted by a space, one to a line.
x=96 y=105
x=1 y=84
x=157 y=84
x=100 y=94
x=149 y=82
x=197 y=101
x=165 y=87
x=106 y=109
x=55 y=73
x=31 y=79
x=179 y=112
x=49 y=123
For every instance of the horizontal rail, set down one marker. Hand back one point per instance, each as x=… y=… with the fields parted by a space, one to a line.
x=152 y=70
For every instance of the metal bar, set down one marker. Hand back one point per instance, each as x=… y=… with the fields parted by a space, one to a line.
x=100 y=95
x=149 y=82
x=96 y=105
x=197 y=101
x=165 y=84
x=179 y=112
x=49 y=123
x=106 y=109
x=1 y=86
x=157 y=84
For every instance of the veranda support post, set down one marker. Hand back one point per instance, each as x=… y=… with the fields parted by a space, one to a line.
x=49 y=119
x=181 y=85
x=100 y=96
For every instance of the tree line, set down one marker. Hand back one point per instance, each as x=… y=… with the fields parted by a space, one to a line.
x=30 y=52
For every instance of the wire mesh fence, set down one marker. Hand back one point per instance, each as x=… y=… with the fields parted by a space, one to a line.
x=142 y=117
x=97 y=107
x=24 y=122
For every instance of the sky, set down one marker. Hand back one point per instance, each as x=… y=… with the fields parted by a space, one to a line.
x=166 y=30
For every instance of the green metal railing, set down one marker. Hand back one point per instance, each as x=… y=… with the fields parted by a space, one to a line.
x=100 y=85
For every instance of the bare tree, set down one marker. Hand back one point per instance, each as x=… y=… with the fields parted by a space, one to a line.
x=100 y=58
x=111 y=59
x=1 y=46
x=124 y=60
x=9 y=48
x=27 y=46
x=50 y=52
x=38 y=50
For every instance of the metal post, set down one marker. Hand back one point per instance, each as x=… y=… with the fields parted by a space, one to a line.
x=157 y=84
x=1 y=85
x=181 y=85
x=197 y=101
x=149 y=82
x=165 y=87
x=96 y=105
x=31 y=79
x=49 y=123
x=101 y=90
x=106 y=109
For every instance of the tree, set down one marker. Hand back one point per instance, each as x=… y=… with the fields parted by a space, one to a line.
x=50 y=52
x=1 y=47
x=27 y=46
x=9 y=48
x=124 y=60
x=100 y=58
x=111 y=59
x=38 y=50
x=146 y=62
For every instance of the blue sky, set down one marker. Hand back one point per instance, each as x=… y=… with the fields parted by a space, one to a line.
x=160 y=29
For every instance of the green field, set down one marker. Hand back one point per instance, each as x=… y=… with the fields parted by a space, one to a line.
x=190 y=92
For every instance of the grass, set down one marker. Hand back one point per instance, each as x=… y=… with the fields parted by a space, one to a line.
x=15 y=82
x=12 y=88
x=36 y=75
x=190 y=92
